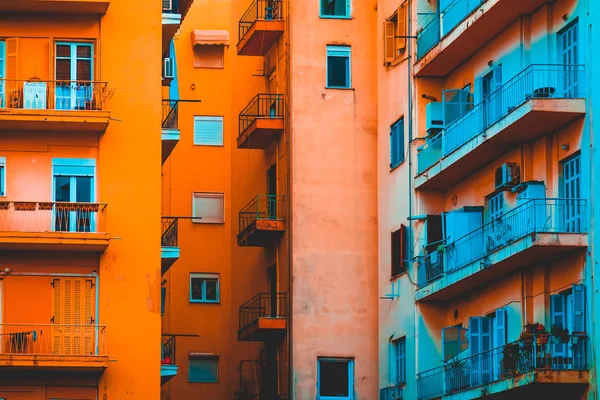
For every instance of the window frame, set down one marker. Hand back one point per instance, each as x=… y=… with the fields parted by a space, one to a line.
x=203 y=357
x=397 y=359
x=219 y=118
x=199 y=220
x=205 y=276
x=396 y=138
x=3 y=177
x=348 y=14
x=350 y=363
x=331 y=50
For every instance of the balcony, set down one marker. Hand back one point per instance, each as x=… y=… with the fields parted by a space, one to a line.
x=523 y=369
x=56 y=6
x=43 y=347
x=260 y=27
x=168 y=366
x=262 y=221
x=53 y=226
x=170 y=127
x=263 y=317
x=539 y=100
x=169 y=243
x=261 y=121
x=446 y=40
x=390 y=393
x=64 y=106
x=171 y=20
x=536 y=229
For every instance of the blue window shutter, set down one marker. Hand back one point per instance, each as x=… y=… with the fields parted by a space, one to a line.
x=558 y=311
x=208 y=131
x=73 y=166
x=348 y=7
x=474 y=335
x=578 y=308
x=501 y=330
x=478 y=90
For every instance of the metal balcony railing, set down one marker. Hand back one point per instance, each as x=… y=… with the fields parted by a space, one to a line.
x=263 y=305
x=170 y=114
x=552 y=353
x=52 y=339
x=533 y=216
x=54 y=95
x=259 y=10
x=261 y=106
x=390 y=393
x=170 y=230
x=168 y=350
x=428 y=32
x=170 y=6
x=456 y=12
x=534 y=82
x=262 y=207
x=32 y=216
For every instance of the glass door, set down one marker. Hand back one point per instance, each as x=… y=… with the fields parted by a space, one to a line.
x=73 y=217
x=568 y=55
x=74 y=73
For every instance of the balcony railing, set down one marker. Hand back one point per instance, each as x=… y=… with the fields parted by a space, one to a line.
x=31 y=216
x=533 y=216
x=170 y=114
x=553 y=353
x=170 y=6
x=262 y=207
x=259 y=10
x=51 y=339
x=390 y=393
x=261 y=106
x=456 y=12
x=263 y=305
x=534 y=82
x=53 y=95
x=168 y=350
x=428 y=34
x=170 y=229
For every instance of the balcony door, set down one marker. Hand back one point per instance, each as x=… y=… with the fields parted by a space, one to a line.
x=73 y=182
x=571 y=193
x=492 y=95
x=272 y=192
x=74 y=73
x=568 y=55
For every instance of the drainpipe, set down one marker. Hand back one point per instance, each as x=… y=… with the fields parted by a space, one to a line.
x=288 y=125
x=97 y=308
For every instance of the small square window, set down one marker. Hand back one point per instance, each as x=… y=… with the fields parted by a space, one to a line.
x=335 y=8
x=208 y=208
x=206 y=56
x=208 y=131
x=203 y=368
x=2 y=176
x=338 y=67
x=204 y=288
x=335 y=378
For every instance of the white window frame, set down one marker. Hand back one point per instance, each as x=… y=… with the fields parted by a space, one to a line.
x=341 y=51
x=214 y=195
x=205 y=276
x=350 y=362
x=2 y=178
x=214 y=118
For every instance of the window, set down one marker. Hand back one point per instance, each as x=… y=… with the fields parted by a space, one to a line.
x=204 y=288
x=399 y=251
x=209 y=56
x=495 y=206
x=395 y=34
x=397 y=143
x=73 y=181
x=398 y=372
x=338 y=67
x=203 y=368
x=208 y=208
x=571 y=193
x=335 y=378
x=568 y=54
x=208 y=131
x=568 y=311
x=454 y=341
x=335 y=8
x=74 y=69
x=2 y=176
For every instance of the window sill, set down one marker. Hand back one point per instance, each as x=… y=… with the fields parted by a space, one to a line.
x=207 y=222
x=344 y=17
x=204 y=302
x=394 y=277
x=338 y=88
x=392 y=168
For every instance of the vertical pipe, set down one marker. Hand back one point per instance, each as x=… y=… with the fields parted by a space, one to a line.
x=97 y=309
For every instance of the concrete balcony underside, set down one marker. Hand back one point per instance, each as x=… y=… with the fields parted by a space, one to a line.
x=538 y=384
x=56 y=6
x=535 y=118
x=529 y=250
x=260 y=133
x=27 y=362
x=167 y=372
x=168 y=257
x=170 y=138
x=261 y=232
x=170 y=25
x=259 y=38
x=474 y=32
x=54 y=241
x=54 y=120
x=263 y=329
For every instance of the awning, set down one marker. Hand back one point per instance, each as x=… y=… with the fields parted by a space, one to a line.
x=210 y=37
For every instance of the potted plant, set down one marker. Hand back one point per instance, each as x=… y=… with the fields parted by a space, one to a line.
x=456 y=374
x=560 y=334
x=510 y=356
x=541 y=335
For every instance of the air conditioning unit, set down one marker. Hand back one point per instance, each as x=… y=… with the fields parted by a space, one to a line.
x=507 y=175
x=167 y=5
x=34 y=95
x=434 y=114
x=168 y=72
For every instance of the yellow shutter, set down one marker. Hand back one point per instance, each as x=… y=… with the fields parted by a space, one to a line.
x=73 y=307
x=68 y=316
x=12 y=59
x=401 y=32
x=57 y=316
x=77 y=316
x=88 y=307
x=388 y=43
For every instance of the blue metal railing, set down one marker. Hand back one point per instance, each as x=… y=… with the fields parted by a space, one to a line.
x=390 y=393
x=536 y=81
x=539 y=352
x=456 y=12
x=533 y=216
x=428 y=33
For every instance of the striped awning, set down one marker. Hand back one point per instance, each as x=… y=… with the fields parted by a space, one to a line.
x=210 y=37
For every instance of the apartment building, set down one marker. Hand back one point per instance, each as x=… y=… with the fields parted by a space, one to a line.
x=273 y=176
x=79 y=200
x=487 y=107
